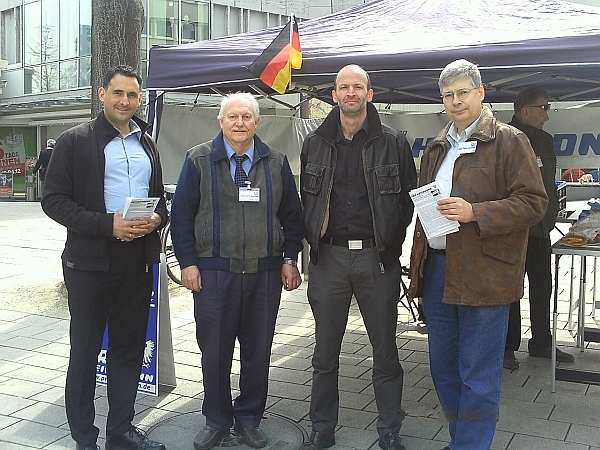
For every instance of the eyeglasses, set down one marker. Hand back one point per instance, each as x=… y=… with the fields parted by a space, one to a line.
x=461 y=94
x=544 y=107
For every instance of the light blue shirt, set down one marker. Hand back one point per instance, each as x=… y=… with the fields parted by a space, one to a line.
x=246 y=165
x=127 y=169
x=446 y=170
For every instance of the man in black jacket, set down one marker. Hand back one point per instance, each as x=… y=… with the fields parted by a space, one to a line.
x=44 y=159
x=107 y=260
x=355 y=178
x=531 y=112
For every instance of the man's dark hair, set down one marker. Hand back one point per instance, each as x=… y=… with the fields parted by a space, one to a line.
x=528 y=95
x=126 y=71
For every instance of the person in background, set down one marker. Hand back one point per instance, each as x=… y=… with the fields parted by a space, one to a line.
x=355 y=177
x=236 y=226
x=491 y=184
x=531 y=112
x=107 y=260
x=44 y=159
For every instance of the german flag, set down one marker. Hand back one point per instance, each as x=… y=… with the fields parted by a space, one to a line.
x=274 y=65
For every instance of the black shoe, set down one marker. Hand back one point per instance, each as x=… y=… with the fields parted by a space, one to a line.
x=510 y=360
x=319 y=441
x=208 y=437
x=86 y=447
x=391 y=441
x=547 y=353
x=253 y=436
x=446 y=448
x=134 y=439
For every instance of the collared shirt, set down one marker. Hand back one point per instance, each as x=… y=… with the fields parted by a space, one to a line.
x=349 y=209
x=444 y=174
x=127 y=169
x=246 y=165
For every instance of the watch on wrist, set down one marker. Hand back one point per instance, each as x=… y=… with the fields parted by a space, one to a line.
x=290 y=261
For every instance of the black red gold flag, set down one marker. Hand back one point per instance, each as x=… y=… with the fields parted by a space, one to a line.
x=274 y=65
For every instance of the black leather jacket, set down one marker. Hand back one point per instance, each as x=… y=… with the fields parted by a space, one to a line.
x=389 y=170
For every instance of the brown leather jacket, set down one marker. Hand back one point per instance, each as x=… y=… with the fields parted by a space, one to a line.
x=485 y=259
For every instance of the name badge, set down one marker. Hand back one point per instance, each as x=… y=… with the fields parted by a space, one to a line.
x=249 y=194
x=539 y=160
x=467 y=147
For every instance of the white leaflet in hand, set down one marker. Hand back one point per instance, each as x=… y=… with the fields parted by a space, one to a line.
x=139 y=207
x=434 y=222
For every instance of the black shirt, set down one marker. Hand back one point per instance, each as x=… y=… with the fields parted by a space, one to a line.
x=350 y=214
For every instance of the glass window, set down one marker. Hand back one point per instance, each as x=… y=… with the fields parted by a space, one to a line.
x=32 y=27
x=10 y=38
x=49 y=77
x=85 y=29
x=163 y=26
x=85 y=72
x=50 y=34
x=68 y=74
x=69 y=37
x=189 y=22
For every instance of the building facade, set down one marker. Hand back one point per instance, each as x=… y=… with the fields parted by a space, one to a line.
x=45 y=58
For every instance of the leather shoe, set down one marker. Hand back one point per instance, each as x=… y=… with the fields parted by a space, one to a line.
x=319 y=441
x=510 y=360
x=86 y=447
x=547 y=353
x=391 y=441
x=208 y=437
x=134 y=439
x=253 y=436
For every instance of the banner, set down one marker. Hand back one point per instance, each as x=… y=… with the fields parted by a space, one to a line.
x=12 y=154
x=148 y=383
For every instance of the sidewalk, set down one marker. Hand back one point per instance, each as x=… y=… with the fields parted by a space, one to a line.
x=34 y=354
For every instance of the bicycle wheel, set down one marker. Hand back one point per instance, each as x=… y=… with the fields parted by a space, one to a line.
x=173 y=269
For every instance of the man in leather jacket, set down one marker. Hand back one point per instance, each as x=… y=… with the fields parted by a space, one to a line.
x=531 y=112
x=355 y=178
x=492 y=186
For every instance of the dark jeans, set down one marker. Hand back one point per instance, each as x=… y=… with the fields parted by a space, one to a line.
x=538 y=267
x=230 y=306
x=121 y=298
x=340 y=274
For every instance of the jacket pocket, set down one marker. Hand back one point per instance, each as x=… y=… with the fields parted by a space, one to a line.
x=501 y=250
x=313 y=178
x=388 y=179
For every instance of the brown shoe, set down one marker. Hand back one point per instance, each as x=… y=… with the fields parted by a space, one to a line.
x=510 y=360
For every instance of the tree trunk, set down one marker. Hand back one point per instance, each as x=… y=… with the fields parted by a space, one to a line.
x=116 y=40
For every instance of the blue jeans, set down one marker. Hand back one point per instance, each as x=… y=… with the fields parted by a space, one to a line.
x=466 y=348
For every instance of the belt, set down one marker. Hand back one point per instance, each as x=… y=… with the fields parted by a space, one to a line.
x=435 y=250
x=352 y=244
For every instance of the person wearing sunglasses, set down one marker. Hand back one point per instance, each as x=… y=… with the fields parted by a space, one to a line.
x=531 y=113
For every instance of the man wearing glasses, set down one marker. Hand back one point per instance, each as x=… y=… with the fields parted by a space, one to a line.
x=531 y=112
x=467 y=279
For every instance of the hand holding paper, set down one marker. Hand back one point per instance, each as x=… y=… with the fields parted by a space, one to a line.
x=426 y=200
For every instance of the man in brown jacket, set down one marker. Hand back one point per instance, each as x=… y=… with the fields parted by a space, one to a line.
x=491 y=184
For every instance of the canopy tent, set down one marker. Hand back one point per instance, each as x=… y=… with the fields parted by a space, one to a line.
x=404 y=44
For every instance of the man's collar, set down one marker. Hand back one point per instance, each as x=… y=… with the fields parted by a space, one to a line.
x=230 y=151
x=466 y=134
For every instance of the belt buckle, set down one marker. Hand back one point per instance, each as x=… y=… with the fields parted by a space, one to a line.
x=355 y=245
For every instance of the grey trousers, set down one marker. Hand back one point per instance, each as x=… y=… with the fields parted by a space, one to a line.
x=340 y=274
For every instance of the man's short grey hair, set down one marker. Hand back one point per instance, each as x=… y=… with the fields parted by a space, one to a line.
x=50 y=143
x=457 y=70
x=239 y=96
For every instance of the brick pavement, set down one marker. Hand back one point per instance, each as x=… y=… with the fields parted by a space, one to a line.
x=34 y=355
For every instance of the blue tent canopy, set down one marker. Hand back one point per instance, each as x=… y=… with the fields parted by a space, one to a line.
x=404 y=44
